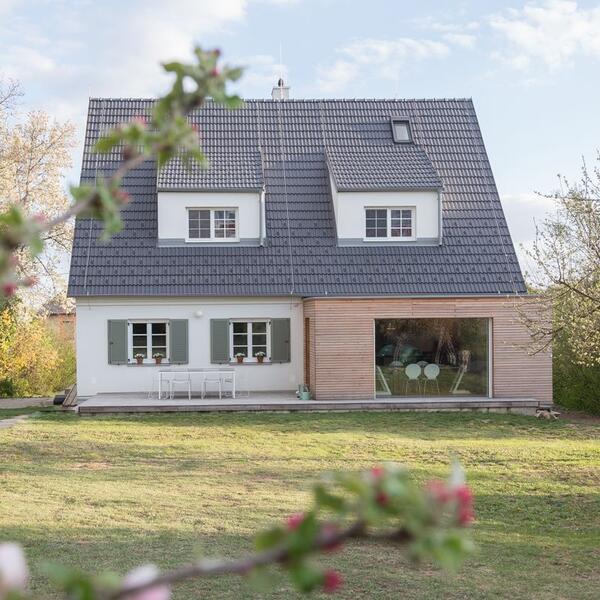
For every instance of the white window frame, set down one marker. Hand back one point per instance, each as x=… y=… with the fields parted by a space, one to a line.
x=251 y=357
x=389 y=238
x=212 y=237
x=148 y=360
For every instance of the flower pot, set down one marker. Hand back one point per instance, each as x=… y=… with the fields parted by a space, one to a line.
x=260 y=359
x=139 y=360
x=240 y=359
x=158 y=360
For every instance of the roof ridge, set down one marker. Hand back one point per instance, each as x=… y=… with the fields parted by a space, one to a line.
x=297 y=100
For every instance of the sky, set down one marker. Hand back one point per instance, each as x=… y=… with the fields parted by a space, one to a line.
x=531 y=67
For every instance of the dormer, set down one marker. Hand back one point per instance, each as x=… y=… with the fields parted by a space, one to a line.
x=221 y=205
x=384 y=193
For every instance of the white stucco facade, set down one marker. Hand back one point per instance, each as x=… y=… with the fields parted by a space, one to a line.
x=95 y=374
x=173 y=216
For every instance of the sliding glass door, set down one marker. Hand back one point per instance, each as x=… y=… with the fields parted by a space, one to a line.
x=432 y=357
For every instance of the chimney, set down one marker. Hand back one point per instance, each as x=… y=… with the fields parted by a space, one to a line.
x=281 y=91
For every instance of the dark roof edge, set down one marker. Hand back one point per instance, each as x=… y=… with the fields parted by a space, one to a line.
x=392 y=189
x=311 y=297
x=293 y=100
x=209 y=189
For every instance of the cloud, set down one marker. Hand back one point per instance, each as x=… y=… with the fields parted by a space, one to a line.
x=383 y=59
x=552 y=33
x=466 y=40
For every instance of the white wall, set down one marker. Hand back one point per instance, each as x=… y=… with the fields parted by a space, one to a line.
x=95 y=375
x=172 y=211
x=349 y=209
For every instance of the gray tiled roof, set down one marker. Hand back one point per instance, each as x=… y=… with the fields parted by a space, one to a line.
x=234 y=160
x=476 y=257
x=385 y=166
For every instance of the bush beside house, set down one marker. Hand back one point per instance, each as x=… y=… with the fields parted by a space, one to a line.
x=35 y=358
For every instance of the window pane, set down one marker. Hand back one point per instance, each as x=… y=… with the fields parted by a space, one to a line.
x=240 y=349
x=371 y=232
x=256 y=349
x=259 y=339
x=240 y=339
x=159 y=328
x=139 y=328
x=159 y=340
x=407 y=214
x=194 y=232
x=143 y=351
x=448 y=357
x=240 y=327
x=194 y=215
x=406 y=232
x=139 y=340
x=401 y=131
x=259 y=327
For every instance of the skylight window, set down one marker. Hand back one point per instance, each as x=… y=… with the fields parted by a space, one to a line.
x=401 y=131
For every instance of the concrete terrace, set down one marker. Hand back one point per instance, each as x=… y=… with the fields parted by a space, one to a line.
x=287 y=401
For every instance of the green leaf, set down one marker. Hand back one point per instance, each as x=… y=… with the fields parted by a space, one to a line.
x=325 y=499
x=305 y=577
x=269 y=538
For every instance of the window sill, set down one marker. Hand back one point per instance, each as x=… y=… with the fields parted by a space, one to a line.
x=148 y=364
x=211 y=240
x=391 y=239
x=250 y=363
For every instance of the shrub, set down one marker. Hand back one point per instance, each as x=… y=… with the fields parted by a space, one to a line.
x=34 y=361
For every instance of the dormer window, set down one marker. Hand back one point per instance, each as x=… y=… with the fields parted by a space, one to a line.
x=212 y=224
x=401 y=130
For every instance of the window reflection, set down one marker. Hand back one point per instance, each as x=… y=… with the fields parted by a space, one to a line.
x=431 y=357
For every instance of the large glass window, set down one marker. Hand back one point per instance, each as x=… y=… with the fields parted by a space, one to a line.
x=432 y=357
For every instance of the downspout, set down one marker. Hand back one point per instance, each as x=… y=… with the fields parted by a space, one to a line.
x=440 y=224
x=262 y=217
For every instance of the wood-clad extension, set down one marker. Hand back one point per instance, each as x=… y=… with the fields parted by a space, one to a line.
x=341 y=353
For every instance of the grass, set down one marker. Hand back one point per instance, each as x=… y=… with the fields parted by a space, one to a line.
x=111 y=493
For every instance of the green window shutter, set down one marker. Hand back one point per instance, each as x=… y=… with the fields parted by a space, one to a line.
x=219 y=341
x=178 y=341
x=117 y=342
x=280 y=340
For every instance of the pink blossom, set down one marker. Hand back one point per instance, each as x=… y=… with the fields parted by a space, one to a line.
x=13 y=568
x=9 y=289
x=332 y=581
x=439 y=491
x=142 y=575
x=294 y=521
x=377 y=472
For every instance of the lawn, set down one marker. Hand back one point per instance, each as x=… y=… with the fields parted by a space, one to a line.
x=110 y=493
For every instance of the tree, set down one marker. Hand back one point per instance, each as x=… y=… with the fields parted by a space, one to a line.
x=566 y=253
x=35 y=151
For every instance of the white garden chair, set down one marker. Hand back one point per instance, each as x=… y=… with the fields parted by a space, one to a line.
x=181 y=379
x=431 y=373
x=413 y=374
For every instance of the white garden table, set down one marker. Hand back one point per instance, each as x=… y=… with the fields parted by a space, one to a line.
x=219 y=373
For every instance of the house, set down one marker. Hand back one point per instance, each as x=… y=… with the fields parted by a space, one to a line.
x=359 y=244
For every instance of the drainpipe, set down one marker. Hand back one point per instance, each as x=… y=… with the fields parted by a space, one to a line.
x=440 y=225
x=263 y=221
